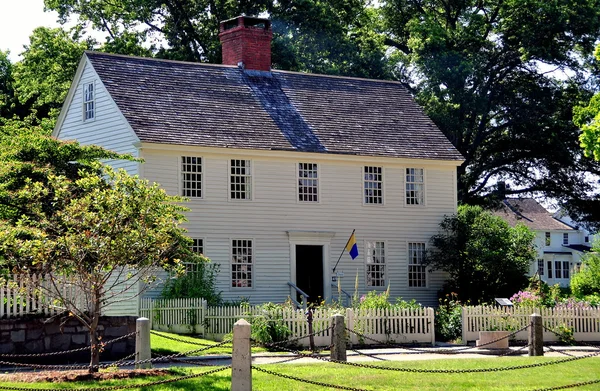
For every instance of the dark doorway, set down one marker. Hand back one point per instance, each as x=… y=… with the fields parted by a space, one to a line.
x=309 y=272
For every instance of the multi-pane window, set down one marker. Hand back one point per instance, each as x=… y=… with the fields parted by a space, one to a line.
x=375 y=264
x=565 y=238
x=415 y=186
x=417 y=276
x=198 y=248
x=549 y=269
x=548 y=239
x=191 y=176
x=88 y=101
x=586 y=239
x=308 y=182
x=242 y=262
x=540 y=265
x=240 y=182
x=561 y=269
x=373 y=185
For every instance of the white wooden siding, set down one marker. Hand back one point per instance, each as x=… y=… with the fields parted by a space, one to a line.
x=109 y=129
x=274 y=211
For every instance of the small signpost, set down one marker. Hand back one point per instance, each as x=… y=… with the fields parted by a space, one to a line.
x=503 y=302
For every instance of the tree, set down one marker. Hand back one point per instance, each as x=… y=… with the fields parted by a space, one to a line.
x=483 y=255
x=101 y=231
x=500 y=79
x=587 y=280
x=588 y=119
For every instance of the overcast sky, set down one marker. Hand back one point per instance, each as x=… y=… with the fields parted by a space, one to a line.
x=18 y=18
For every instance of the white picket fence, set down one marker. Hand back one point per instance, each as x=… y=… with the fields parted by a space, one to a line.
x=194 y=316
x=585 y=323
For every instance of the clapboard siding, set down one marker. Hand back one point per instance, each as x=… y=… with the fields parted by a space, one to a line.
x=109 y=129
x=274 y=211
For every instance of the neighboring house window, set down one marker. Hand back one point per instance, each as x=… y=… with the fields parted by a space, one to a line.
x=586 y=239
x=373 y=185
x=561 y=269
x=191 y=176
x=89 y=107
x=577 y=267
x=417 y=276
x=308 y=182
x=549 y=269
x=242 y=262
x=375 y=264
x=565 y=238
x=415 y=186
x=540 y=265
x=548 y=239
x=198 y=248
x=240 y=180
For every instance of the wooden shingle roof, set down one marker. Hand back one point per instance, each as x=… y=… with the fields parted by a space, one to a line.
x=529 y=212
x=223 y=106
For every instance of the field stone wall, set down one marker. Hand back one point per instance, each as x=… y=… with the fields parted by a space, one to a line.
x=43 y=335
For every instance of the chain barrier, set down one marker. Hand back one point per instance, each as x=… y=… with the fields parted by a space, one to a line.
x=551 y=349
x=183 y=340
x=125 y=387
x=514 y=351
x=290 y=341
x=574 y=385
x=579 y=342
x=316 y=383
x=374 y=357
x=119 y=361
x=31 y=355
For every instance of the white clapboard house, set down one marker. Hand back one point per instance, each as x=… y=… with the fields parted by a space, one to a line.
x=279 y=167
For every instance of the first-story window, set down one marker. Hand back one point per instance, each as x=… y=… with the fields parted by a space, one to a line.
x=242 y=263
x=197 y=248
x=549 y=269
x=415 y=186
x=191 y=176
x=89 y=94
x=417 y=276
x=561 y=269
x=240 y=180
x=373 y=185
x=308 y=182
x=586 y=239
x=540 y=266
x=375 y=256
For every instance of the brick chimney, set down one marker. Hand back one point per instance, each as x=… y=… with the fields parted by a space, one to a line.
x=246 y=42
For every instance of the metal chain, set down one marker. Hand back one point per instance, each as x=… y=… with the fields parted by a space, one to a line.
x=119 y=361
x=550 y=348
x=369 y=355
x=129 y=386
x=182 y=340
x=579 y=342
x=316 y=383
x=289 y=341
x=514 y=351
x=574 y=385
x=64 y=351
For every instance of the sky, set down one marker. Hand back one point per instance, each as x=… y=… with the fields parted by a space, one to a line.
x=18 y=18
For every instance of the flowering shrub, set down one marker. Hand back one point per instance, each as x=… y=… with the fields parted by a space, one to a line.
x=376 y=300
x=526 y=299
x=448 y=318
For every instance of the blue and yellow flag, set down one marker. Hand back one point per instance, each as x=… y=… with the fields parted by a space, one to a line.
x=351 y=246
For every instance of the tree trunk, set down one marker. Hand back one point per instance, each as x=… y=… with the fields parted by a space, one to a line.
x=94 y=338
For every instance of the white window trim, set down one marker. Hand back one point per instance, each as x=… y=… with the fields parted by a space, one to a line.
x=427 y=282
x=242 y=288
x=251 y=181
x=297 y=195
x=547 y=239
x=386 y=280
x=94 y=100
x=406 y=204
x=565 y=236
x=362 y=172
x=180 y=176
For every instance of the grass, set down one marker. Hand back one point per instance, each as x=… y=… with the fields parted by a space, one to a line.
x=166 y=346
x=372 y=379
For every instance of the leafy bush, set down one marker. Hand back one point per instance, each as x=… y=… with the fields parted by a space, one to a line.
x=380 y=300
x=448 y=318
x=268 y=325
x=199 y=283
x=587 y=280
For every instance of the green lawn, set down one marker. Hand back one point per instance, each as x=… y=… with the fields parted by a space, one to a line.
x=166 y=346
x=371 y=379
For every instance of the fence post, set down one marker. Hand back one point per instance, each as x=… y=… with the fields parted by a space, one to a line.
x=338 y=338
x=464 y=324
x=431 y=321
x=142 y=343
x=241 y=360
x=536 y=336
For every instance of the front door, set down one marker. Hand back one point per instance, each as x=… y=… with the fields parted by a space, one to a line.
x=309 y=272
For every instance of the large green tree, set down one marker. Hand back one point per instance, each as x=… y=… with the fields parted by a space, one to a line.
x=483 y=255
x=588 y=118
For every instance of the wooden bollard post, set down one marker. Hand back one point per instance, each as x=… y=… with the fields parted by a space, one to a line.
x=142 y=343
x=338 y=338
x=241 y=360
x=536 y=336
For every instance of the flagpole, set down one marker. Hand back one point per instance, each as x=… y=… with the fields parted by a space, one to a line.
x=338 y=261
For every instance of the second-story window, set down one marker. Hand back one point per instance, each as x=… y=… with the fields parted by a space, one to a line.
x=240 y=184
x=415 y=186
x=375 y=264
x=565 y=238
x=89 y=106
x=547 y=242
x=373 y=185
x=191 y=176
x=308 y=182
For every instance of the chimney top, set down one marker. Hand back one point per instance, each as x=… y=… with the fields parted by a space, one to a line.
x=246 y=42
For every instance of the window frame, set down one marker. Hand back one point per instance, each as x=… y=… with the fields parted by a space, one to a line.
x=188 y=264
x=253 y=263
x=318 y=183
x=409 y=264
x=406 y=183
x=548 y=239
x=251 y=177
x=565 y=238
x=85 y=101
x=384 y=264
x=364 y=188
x=182 y=172
x=540 y=267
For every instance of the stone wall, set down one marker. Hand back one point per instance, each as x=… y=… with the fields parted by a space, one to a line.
x=42 y=335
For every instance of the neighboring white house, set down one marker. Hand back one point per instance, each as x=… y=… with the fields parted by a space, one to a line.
x=279 y=167
x=560 y=245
